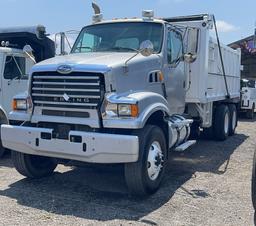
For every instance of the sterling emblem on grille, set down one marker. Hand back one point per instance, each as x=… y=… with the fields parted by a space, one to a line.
x=64 y=69
x=66 y=97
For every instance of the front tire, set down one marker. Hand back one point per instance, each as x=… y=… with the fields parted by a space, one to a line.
x=221 y=124
x=3 y=120
x=33 y=166
x=250 y=113
x=145 y=176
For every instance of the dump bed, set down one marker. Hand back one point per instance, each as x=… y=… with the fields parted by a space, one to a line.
x=34 y=36
x=206 y=80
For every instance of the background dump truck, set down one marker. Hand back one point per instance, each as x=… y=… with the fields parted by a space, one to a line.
x=130 y=91
x=248 y=97
x=16 y=62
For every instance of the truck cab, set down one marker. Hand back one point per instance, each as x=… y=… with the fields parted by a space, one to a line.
x=248 y=97
x=17 y=58
x=129 y=92
x=15 y=66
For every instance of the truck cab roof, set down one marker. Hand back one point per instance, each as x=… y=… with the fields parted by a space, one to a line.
x=9 y=50
x=191 y=18
x=127 y=20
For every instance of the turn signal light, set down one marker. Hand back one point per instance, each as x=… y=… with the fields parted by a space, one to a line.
x=134 y=110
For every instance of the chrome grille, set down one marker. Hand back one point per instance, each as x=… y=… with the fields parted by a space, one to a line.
x=78 y=90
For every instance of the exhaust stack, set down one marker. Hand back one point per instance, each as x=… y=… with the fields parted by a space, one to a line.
x=97 y=17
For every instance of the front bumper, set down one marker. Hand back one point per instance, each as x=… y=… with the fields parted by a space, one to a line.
x=81 y=146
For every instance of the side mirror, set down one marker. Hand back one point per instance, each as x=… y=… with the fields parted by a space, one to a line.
x=189 y=57
x=27 y=49
x=146 y=48
x=191 y=48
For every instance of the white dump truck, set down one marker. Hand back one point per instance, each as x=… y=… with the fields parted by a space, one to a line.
x=131 y=91
x=248 y=97
x=17 y=61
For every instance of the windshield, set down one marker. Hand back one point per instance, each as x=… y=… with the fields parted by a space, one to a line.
x=118 y=37
x=248 y=83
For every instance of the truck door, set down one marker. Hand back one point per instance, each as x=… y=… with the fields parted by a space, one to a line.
x=15 y=78
x=174 y=72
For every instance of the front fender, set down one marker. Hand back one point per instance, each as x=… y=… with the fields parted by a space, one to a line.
x=148 y=103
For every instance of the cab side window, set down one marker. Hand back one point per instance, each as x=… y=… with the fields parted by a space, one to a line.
x=15 y=67
x=174 y=47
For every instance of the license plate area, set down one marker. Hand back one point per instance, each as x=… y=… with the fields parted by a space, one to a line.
x=61 y=132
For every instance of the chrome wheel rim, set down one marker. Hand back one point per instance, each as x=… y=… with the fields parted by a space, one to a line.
x=155 y=160
x=226 y=123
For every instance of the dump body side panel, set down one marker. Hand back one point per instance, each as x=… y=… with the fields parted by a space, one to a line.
x=205 y=75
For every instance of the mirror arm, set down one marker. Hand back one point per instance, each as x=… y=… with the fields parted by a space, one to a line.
x=30 y=57
x=146 y=49
x=18 y=68
x=126 y=62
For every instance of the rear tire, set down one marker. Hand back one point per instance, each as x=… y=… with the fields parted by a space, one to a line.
x=221 y=123
x=145 y=176
x=250 y=113
x=233 y=119
x=33 y=166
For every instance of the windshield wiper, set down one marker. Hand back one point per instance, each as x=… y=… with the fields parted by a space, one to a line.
x=123 y=48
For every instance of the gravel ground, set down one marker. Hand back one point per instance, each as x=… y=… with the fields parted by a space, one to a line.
x=208 y=185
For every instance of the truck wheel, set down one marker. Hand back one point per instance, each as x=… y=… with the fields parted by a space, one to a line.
x=2 y=149
x=144 y=177
x=233 y=119
x=3 y=120
x=250 y=113
x=254 y=181
x=33 y=166
x=221 y=122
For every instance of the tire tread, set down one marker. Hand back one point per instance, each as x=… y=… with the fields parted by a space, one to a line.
x=22 y=163
x=218 y=123
x=135 y=180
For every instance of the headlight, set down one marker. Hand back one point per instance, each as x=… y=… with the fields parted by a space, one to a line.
x=111 y=110
x=129 y=110
x=122 y=110
x=21 y=104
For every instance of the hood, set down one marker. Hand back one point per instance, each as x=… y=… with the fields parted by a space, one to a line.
x=100 y=61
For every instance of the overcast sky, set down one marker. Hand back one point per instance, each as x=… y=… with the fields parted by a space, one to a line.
x=235 y=20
